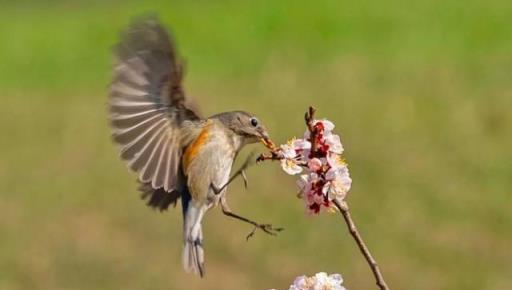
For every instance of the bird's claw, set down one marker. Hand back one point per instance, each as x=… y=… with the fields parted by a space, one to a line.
x=267 y=228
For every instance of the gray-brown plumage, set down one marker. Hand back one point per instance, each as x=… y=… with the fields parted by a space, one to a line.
x=175 y=153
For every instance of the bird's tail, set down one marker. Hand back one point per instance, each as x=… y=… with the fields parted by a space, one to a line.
x=193 y=253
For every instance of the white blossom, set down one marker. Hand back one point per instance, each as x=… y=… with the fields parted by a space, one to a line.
x=334 y=143
x=320 y=281
x=289 y=162
x=290 y=166
x=328 y=125
x=300 y=144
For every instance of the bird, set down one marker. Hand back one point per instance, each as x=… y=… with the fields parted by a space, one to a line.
x=175 y=152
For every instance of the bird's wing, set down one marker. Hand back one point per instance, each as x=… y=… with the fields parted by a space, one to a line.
x=147 y=103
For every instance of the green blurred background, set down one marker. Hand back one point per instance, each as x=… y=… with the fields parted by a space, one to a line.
x=420 y=91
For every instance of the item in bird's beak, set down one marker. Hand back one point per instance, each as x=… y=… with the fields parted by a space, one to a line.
x=268 y=143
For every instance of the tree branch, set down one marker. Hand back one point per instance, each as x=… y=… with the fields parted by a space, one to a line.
x=344 y=210
x=309 y=117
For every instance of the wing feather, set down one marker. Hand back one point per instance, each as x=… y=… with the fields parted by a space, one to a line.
x=142 y=157
x=148 y=172
x=147 y=104
x=159 y=180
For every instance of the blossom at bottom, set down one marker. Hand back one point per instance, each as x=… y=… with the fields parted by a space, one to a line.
x=320 y=281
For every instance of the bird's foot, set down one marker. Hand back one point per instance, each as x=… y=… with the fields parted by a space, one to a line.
x=267 y=228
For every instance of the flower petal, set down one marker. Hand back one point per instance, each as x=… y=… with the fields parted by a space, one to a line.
x=288 y=151
x=290 y=166
x=314 y=164
x=328 y=125
x=334 y=143
x=301 y=144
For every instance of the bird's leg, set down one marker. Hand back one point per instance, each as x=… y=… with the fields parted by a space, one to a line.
x=239 y=172
x=267 y=228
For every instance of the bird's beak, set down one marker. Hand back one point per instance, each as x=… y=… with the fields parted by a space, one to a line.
x=265 y=139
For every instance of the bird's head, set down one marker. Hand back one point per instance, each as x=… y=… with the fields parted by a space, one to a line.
x=246 y=126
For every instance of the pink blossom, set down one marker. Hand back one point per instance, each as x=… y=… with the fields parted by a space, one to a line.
x=327 y=177
x=328 y=125
x=325 y=126
x=314 y=164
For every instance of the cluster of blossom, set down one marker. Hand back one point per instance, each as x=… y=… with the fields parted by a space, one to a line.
x=326 y=177
x=321 y=281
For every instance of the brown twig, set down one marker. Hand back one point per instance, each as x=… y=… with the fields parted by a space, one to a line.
x=309 y=117
x=344 y=210
x=273 y=155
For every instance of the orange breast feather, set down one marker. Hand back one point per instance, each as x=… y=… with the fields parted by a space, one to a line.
x=194 y=148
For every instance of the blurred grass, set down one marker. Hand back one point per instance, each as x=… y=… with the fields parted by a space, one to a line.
x=420 y=92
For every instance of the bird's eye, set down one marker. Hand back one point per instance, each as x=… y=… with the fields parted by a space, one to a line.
x=254 y=122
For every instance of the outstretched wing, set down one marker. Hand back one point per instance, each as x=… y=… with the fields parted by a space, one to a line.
x=147 y=103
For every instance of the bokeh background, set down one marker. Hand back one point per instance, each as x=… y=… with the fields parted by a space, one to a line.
x=420 y=91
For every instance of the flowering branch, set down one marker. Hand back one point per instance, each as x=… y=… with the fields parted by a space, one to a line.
x=327 y=181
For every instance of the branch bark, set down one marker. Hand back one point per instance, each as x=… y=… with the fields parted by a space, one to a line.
x=344 y=210
x=309 y=117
